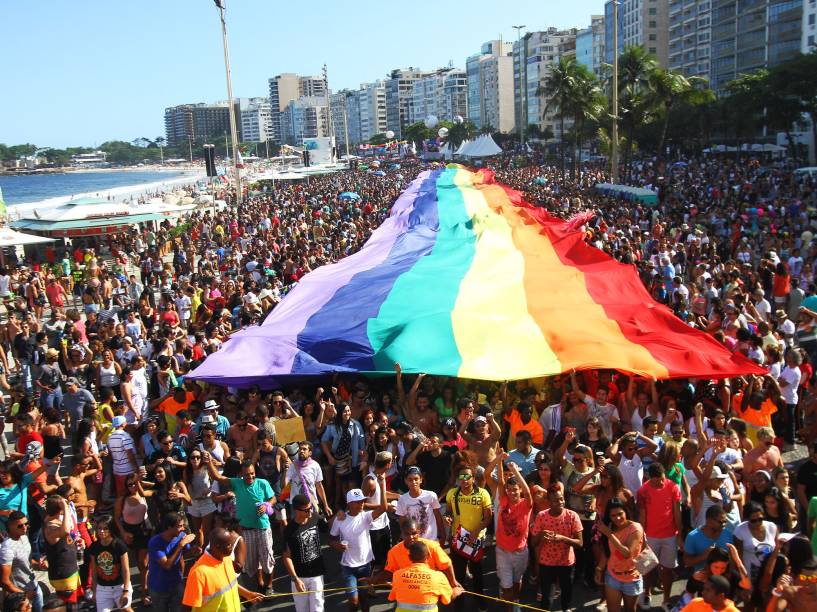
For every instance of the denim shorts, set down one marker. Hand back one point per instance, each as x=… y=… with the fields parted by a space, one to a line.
x=350 y=576
x=631 y=589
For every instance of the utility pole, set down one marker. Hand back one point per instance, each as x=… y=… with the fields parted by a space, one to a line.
x=614 y=147
x=233 y=129
x=522 y=60
x=329 y=106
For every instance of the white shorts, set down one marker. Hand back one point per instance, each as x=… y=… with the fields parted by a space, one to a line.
x=107 y=597
x=666 y=549
x=510 y=567
x=201 y=507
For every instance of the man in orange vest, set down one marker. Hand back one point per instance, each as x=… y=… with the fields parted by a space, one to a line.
x=418 y=587
x=398 y=557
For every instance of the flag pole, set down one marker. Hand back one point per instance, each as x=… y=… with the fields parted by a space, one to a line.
x=233 y=130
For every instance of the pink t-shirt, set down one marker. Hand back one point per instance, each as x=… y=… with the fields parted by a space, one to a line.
x=512 y=524
x=567 y=524
x=659 y=506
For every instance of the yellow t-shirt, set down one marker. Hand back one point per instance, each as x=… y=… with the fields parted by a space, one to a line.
x=470 y=509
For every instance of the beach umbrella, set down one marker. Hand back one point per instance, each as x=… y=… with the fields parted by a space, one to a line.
x=379 y=173
x=539 y=180
x=349 y=195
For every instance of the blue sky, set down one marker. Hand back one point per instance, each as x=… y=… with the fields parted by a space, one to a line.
x=82 y=72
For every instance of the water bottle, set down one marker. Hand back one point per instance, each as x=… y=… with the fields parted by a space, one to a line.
x=80 y=553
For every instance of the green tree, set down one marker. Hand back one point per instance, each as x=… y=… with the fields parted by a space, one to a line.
x=559 y=89
x=636 y=104
x=459 y=133
x=668 y=88
x=745 y=105
x=416 y=133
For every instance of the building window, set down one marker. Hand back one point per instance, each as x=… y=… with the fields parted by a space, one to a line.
x=653 y=24
x=653 y=50
x=811 y=40
x=653 y=37
x=811 y=18
x=653 y=11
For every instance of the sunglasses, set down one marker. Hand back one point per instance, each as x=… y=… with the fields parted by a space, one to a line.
x=21 y=525
x=465 y=477
x=307 y=509
x=810 y=578
x=195 y=456
x=578 y=459
x=756 y=521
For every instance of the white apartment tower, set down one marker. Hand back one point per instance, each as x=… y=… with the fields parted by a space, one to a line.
x=490 y=86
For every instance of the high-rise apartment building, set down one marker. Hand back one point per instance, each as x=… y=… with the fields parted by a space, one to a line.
x=285 y=88
x=256 y=119
x=535 y=54
x=399 y=86
x=192 y=122
x=752 y=34
x=490 y=86
x=372 y=102
x=590 y=46
x=443 y=93
x=809 y=36
x=690 y=36
x=306 y=117
x=642 y=23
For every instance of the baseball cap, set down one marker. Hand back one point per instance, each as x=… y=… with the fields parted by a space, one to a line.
x=72 y=381
x=449 y=422
x=480 y=419
x=716 y=473
x=207 y=419
x=414 y=470
x=355 y=495
x=119 y=421
x=34 y=448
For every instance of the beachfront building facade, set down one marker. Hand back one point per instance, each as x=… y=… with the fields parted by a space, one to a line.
x=590 y=46
x=809 y=35
x=189 y=123
x=372 y=109
x=399 y=88
x=256 y=119
x=285 y=88
x=690 y=37
x=751 y=34
x=489 y=76
x=443 y=94
x=641 y=23
x=534 y=57
x=306 y=117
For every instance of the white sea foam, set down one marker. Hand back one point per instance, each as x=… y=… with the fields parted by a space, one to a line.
x=120 y=193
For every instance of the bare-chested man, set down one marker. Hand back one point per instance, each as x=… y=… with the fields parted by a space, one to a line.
x=484 y=439
x=765 y=456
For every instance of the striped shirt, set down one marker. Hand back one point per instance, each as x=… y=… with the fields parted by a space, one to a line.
x=120 y=442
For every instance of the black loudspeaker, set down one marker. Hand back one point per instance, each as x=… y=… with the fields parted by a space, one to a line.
x=210 y=160
x=306 y=158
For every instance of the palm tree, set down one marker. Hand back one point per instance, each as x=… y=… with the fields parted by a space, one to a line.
x=559 y=89
x=459 y=133
x=745 y=102
x=588 y=105
x=636 y=105
x=161 y=141
x=668 y=88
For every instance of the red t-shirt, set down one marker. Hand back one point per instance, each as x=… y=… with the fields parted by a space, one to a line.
x=659 y=505
x=22 y=441
x=567 y=524
x=512 y=524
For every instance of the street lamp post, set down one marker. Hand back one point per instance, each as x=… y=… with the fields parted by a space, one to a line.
x=614 y=147
x=233 y=130
x=519 y=29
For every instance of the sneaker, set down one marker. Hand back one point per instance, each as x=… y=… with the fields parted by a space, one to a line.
x=644 y=602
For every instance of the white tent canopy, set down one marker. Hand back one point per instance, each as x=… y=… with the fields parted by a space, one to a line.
x=8 y=237
x=484 y=146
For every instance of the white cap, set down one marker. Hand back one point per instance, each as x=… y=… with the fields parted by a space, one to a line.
x=355 y=495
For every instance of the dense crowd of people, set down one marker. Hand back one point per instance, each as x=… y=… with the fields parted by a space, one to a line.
x=123 y=472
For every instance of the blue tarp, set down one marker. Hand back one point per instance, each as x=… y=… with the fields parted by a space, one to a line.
x=625 y=192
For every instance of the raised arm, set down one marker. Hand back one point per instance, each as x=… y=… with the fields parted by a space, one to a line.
x=401 y=391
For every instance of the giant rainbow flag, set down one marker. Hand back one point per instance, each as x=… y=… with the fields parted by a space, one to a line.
x=466 y=279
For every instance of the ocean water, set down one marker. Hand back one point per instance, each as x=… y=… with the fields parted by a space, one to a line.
x=48 y=190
